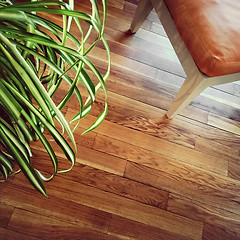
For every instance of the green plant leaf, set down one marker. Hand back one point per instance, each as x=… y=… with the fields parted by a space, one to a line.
x=36 y=60
x=22 y=161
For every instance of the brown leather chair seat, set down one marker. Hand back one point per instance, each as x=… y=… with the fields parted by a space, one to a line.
x=211 y=32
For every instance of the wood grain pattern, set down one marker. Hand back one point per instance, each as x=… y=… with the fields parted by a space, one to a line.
x=158 y=125
x=156 y=92
x=154 y=160
x=131 y=210
x=120 y=186
x=86 y=155
x=213 y=232
x=100 y=179
x=224 y=123
x=51 y=228
x=158 y=145
x=117 y=4
x=212 y=194
x=6 y=212
x=200 y=211
x=78 y=214
x=216 y=149
x=138 y=175
x=234 y=170
x=123 y=227
x=9 y=235
x=84 y=195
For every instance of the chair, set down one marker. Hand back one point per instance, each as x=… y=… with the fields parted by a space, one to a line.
x=205 y=36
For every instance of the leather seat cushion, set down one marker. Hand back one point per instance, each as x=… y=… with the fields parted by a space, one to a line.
x=211 y=32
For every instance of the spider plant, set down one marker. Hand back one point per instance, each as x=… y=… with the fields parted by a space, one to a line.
x=35 y=59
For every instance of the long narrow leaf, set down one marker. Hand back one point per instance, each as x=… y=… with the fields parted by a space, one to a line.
x=22 y=162
x=54 y=132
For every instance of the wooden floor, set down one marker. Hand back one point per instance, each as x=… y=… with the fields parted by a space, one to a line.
x=139 y=175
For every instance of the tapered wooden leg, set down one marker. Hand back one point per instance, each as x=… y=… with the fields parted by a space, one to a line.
x=144 y=7
x=190 y=89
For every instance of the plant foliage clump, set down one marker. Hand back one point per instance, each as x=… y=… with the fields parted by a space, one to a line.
x=36 y=56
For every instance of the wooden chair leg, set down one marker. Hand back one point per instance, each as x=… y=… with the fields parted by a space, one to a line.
x=144 y=7
x=190 y=89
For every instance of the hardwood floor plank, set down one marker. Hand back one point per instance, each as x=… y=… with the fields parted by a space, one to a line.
x=125 y=63
x=50 y=228
x=153 y=16
x=127 y=208
x=130 y=40
x=86 y=155
x=234 y=170
x=222 y=97
x=159 y=162
x=158 y=125
x=151 y=216
x=108 y=182
x=118 y=185
x=134 y=230
x=148 y=120
x=216 y=107
x=101 y=161
x=211 y=99
x=132 y=1
x=54 y=207
x=113 y=11
x=225 y=196
x=224 y=123
x=237 y=89
x=158 y=28
x=225 y=91
x=152 y=121
x=158 y=145
x=116 y=3
x=113 y=22
x=215 y=134
x=154 y=38
x=150 y=91
x=136 y=154
x=202 y=212
x=6 y=234
x=218 y=150
x=228 y=88
x=131 y=7
x=5 y=215
x=171 y=78
x=212 y=232
x=138 y=175
x=164 y=61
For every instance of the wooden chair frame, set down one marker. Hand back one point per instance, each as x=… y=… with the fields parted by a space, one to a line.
x=195 y=81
